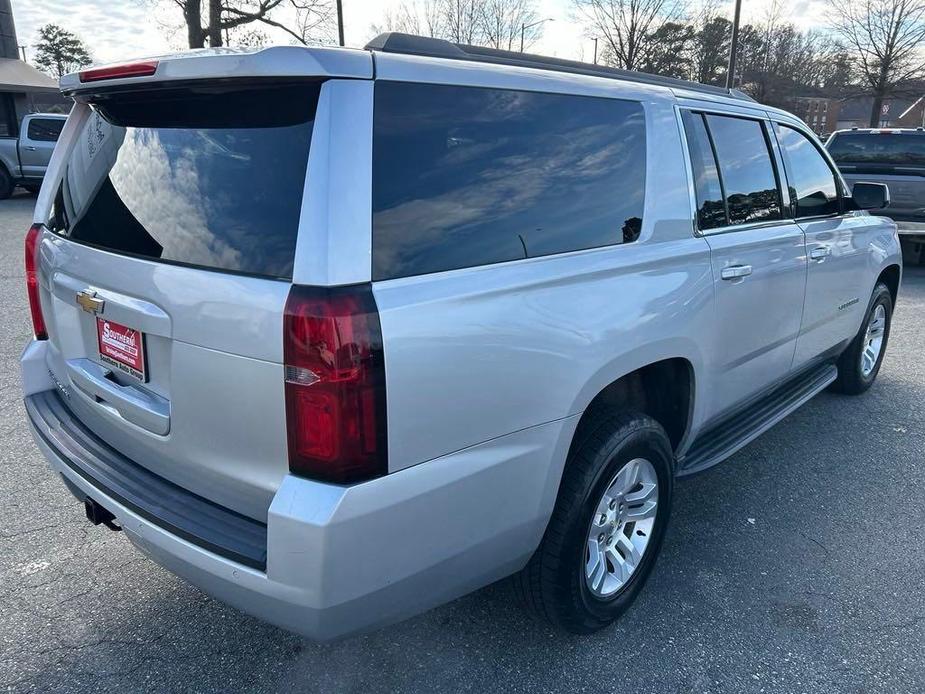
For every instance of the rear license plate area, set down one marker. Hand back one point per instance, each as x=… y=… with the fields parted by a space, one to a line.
x=122 y=348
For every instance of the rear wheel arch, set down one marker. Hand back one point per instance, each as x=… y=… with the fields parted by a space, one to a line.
x=664 y=390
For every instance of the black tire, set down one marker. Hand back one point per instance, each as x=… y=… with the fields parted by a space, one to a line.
x=851 y=378
x=32 y=188
x=553 y=583
x=6 y=184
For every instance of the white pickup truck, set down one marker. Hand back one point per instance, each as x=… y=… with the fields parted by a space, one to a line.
x=23 y=159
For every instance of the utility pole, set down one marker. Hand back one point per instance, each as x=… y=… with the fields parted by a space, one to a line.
x=524 y=27
x=23 y=49
x=734 y=47
x=595 y=51
x=340 y=23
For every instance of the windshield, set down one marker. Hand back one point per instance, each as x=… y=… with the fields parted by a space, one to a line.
x=879 y=148
x=210 y=177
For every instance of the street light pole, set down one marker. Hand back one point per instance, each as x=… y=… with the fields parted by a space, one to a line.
x=340 y=22
x=734 y=47
x=595 y=51
x=524 y=27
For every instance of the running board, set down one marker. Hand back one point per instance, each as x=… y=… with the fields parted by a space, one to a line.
x=721 y=441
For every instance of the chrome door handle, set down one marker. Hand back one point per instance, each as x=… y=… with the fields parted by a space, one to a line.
x=820 y=252
x=30 y=148
x=734 y=272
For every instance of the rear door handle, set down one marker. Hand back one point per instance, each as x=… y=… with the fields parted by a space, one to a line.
x=734 y=272
x=820 y=252
x=30 y=148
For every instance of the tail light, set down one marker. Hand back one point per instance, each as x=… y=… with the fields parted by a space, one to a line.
x=335 y=384
x=144 y=68
x=33 y=239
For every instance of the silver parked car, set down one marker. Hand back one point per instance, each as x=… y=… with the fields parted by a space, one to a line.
x=24 y=159
x=340 y=335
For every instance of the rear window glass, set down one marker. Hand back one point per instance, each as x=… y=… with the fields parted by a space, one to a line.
x=209 y=177
x=466 y=176
x=878 y=148
x=44 y=129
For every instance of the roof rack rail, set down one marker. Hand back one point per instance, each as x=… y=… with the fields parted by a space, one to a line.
x=409 y=44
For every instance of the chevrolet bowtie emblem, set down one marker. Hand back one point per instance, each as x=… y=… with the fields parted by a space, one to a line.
x=88 y=301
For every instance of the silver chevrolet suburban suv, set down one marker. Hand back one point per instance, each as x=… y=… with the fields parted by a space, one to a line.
x=340 y=335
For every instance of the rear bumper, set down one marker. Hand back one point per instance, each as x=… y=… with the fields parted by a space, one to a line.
x=341 y=560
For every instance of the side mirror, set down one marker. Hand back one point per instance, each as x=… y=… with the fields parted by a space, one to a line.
x=870 y=196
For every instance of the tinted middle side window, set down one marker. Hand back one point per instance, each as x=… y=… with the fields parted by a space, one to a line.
x=466 y=176
x=812 y=183
x=711 y=211
x=746 y=169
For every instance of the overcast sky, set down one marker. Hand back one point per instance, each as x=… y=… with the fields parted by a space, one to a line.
x=122 y=29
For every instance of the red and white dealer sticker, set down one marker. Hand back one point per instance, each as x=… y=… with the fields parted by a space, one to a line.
x=121 y=347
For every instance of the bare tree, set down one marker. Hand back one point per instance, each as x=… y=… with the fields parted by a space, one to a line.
x=627 y=27
x=420 y=17
x=462 y=20
x=313 y=19
x=504 y=20
x=886 y=39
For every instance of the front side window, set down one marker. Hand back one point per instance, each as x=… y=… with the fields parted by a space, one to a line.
x=44 y=129
x=467 y=176
x=812 y=183
x=746 y=169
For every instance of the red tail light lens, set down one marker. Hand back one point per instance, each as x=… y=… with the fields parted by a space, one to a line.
x=335 y=384
x=33 y=239
x=144 y=68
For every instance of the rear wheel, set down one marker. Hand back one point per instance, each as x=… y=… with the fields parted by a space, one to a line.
x=859 y=364
x=607 y=526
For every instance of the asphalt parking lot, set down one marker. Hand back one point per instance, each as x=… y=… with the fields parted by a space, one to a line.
x=796 y=566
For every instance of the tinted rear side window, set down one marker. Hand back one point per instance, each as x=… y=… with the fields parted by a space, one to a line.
x=746 y=169
x=466 y=176
x=812 y=183
x=45 y=129
x=879 y=148
x=210 y=177
x=711 y=211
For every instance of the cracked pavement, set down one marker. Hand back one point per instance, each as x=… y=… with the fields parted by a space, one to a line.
x=796 y=566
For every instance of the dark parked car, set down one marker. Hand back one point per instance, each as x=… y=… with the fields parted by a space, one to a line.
x=895 y=156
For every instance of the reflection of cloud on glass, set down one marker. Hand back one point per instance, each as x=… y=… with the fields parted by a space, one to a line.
x=503 y=179
x=164 y=192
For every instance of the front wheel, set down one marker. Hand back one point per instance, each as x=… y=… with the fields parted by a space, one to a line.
x=859 y=364
x=607 y=526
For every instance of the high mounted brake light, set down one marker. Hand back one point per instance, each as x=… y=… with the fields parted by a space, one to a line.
x=335 y=384
x=144 y=68
x=33 y=239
